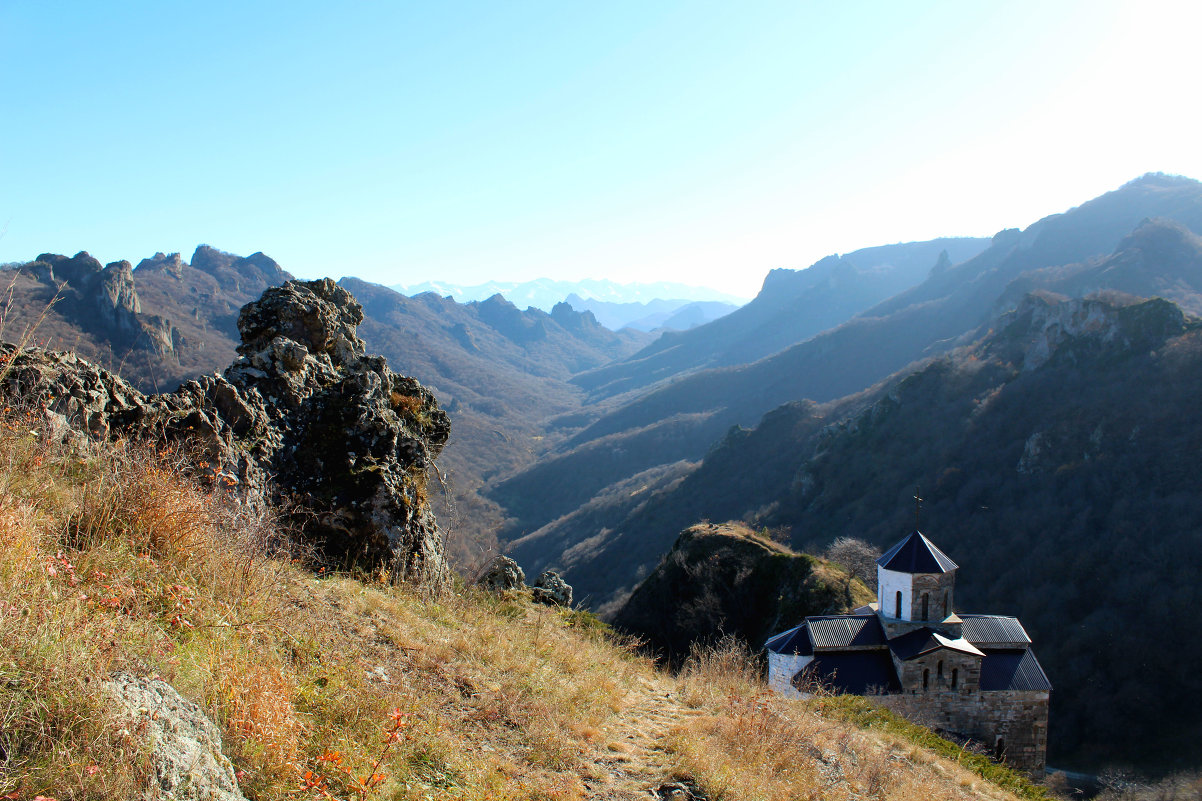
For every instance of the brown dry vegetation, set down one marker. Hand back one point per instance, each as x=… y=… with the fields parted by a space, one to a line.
x=113 y=561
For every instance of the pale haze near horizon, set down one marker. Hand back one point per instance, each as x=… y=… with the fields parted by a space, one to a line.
x=692 y=142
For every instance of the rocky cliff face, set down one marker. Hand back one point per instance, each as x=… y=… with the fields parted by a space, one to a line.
x=303 y=416
x=1046 y=326
x=106 y=298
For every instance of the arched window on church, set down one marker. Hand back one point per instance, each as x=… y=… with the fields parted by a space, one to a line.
x=955 y=677
x=926 y=604
x=898 y=615
x=939 y=671
x=926 y=679
x=946 y=611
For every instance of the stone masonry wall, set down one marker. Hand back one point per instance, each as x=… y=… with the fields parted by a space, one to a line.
x=1017 y=720
x=965 y=668
x=936 y=588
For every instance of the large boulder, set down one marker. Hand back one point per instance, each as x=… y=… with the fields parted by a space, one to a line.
x=550 y=588
x=184 y=744
x=303 y=417
x=503 y=575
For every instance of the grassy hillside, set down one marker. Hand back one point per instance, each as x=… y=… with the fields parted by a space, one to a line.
x=343 y=687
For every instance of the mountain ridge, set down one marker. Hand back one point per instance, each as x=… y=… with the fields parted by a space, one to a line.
x=680 y=419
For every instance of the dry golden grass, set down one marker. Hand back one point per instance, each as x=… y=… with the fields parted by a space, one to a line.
x=112 y=560
x=753 y=744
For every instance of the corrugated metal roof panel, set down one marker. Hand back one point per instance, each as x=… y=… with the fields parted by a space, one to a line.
x=916 y=554
x=845 y=631
x=995 y=630
x=1013 y=670
x=794 y=641
x=858 y=672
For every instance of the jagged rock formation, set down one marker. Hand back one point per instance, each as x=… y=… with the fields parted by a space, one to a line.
x=1043 y=326
x=106 y=298
x=303 y=416
x=158 y=324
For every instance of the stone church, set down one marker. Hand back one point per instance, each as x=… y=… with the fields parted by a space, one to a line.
x=971 y=676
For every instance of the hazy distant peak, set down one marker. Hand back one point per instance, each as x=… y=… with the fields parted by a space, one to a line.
x=497 y=300
x=1157 y=231
x=1155 y=179
x=544 y=293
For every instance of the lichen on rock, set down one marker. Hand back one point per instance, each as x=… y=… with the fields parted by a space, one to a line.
x=503 y=575
x=550 y=588
x=185 y=745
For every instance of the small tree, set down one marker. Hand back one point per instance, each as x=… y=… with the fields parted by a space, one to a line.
x=857 y=556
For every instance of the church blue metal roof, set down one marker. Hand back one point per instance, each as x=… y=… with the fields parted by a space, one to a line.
x=857 y=672
x=925 y=640
x=994 y=631
x=794 y=641
x=916 y=554
x=1013 y=670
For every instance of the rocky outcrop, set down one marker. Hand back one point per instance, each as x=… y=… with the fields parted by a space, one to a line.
x=505 y=575
x=185 y=745
x=550 y=588
x=116 y=298
x=502 y=575
x=253 y=273
x=162 y=262
x=304 y=417
x=1046 y=326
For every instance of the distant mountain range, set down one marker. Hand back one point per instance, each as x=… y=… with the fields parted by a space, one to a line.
x=654 y=315
x=657 y=411
x=544 y=293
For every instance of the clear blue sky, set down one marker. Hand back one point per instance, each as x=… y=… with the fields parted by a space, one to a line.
x=703 y=142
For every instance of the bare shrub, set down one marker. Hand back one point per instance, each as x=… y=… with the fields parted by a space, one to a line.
x=857 y=556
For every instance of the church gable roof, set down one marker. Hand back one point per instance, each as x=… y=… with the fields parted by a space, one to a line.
x=925 y=640
x=916 y=554
x=994 y=631
x=795 y=641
